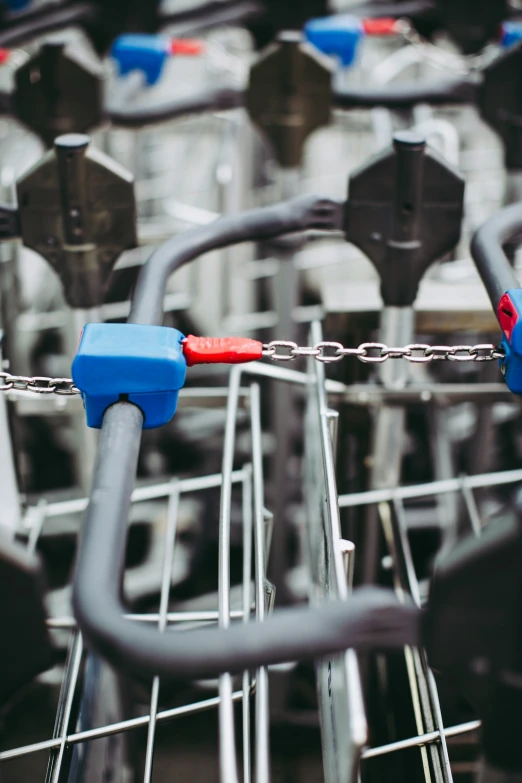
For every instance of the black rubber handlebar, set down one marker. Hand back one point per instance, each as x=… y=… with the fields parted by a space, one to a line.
x=372 y=619
x=399 y=96
x=404 y=96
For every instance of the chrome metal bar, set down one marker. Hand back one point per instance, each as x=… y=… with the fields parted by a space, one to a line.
x=397 y=328
x=433 y=488
x=471 y=508
x=37 y=523
x=422 y=739
x=10 y=515
x=166 y=580
x=427 y=696
x=262 y=708
x=69 y=623
x=341 y=704
x=115 y=728
x=227 y=744
x=65 y=707
x=141 y=494
x=247 y=576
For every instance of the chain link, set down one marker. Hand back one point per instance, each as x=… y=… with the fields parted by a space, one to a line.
x=376 y=353
x=286 y=351
x=37 y=384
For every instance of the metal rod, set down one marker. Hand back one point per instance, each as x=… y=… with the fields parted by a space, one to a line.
x=342 y=702
x=262 y=710
x=116 y=728
x=227 y=743
x=480 y=480
x=247 y=576
x=142 y=494
x=471 y=508
x=422 y=739
x=66 y=623
x=65 y=707
x=166 y=580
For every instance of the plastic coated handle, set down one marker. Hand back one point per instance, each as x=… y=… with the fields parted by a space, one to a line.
x=371 y=619
x=502 y=286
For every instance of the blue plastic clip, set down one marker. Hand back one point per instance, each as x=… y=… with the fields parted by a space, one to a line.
x=337 y=36
x=510 y=33
x=141 y=52
x=142 y=364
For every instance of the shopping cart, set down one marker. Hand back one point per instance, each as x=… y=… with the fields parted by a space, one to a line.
x=337 y=620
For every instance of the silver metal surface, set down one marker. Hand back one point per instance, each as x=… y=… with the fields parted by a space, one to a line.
x=341 y=707
x=227 y=743
x=262 y=536
x=387 y=440
x=166 y=580
x=10 y=515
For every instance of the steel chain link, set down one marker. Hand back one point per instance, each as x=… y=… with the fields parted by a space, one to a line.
x=376 y=353
x=326 y=352
x=37 y=384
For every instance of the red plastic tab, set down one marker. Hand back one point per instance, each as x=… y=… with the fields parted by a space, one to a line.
x=382 y=26
x=5 y=54
x=507 y=315
x=187 y=47
x=221 y=350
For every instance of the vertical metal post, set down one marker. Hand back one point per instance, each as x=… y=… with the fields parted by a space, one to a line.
x=286 y=295
x=10 y=509
x=397 y=328
x=85 y=438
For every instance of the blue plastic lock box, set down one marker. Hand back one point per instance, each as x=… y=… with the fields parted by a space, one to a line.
x=337 y=36
x=510 y=34
x=141 y=52
x=143 y=364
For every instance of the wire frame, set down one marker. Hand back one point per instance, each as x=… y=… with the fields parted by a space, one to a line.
x=256 y=537
x=330 y=561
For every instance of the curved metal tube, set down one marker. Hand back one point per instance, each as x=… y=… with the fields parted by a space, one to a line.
x=399 y=96
x=487 y=251
x=373 y=618
x=404 y=96
x=218 y=99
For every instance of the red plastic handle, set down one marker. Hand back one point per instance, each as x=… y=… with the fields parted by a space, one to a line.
x=383 y=26
x=187 y=47
x=221 y=350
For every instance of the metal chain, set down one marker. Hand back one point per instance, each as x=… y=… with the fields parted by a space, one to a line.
x=37 y=384
x=376 y=353
x=326 y=352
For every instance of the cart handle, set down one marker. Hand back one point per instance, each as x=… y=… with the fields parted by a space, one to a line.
x=400 y=96
x=502 y=286
x=372 y=619
x=33 y=22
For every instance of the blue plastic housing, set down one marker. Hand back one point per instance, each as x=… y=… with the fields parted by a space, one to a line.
x=141 y=52
x=337 y=36
x=510 y=33
x=511 y=364
x=144 y=364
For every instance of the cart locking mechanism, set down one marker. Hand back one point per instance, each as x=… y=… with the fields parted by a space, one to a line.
x=505 y=293
x=146 y=365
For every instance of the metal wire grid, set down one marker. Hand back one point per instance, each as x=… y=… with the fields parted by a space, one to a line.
x=432 y=734
x=338 y=679
x=256 y=533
